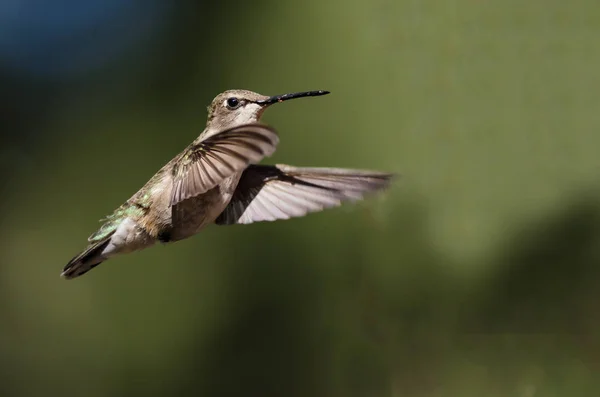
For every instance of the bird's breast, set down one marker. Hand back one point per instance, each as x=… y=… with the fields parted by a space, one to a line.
x=192 y=215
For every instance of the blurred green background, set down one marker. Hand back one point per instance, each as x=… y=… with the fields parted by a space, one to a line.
x=477 y=274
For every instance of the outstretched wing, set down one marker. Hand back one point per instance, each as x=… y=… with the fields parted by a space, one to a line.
x=268 y=193
x=206 y=164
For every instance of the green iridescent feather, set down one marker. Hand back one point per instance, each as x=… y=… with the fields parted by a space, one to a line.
x=113 y=221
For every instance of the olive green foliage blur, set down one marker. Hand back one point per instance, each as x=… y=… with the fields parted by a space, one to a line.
x=477 y=274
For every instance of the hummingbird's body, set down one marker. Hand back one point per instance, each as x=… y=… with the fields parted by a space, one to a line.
x=216 y=180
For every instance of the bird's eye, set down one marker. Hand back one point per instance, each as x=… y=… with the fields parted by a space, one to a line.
x=232 y=103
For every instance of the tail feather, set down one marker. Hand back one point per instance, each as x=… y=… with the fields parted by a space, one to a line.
x=86 y=260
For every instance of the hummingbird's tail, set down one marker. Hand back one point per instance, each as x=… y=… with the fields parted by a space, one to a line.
x=86 y=260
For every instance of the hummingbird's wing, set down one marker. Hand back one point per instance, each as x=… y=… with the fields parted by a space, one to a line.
x=268 y=193
x=206 y=164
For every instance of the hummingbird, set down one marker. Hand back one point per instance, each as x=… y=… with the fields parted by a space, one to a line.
x=217 y=180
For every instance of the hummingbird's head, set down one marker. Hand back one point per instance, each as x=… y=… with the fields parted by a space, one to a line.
x=236 y=107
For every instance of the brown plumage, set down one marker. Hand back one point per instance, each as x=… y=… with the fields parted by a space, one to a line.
x=216 y=180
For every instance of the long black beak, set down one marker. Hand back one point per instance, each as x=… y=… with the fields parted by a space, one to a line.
x=285 y=97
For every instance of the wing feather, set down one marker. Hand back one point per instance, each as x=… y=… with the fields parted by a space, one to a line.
x=268 y=193
x=206 y=164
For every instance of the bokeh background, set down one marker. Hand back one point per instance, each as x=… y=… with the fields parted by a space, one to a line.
x=477 y=274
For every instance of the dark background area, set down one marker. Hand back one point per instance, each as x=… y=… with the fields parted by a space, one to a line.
x=477 y=274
